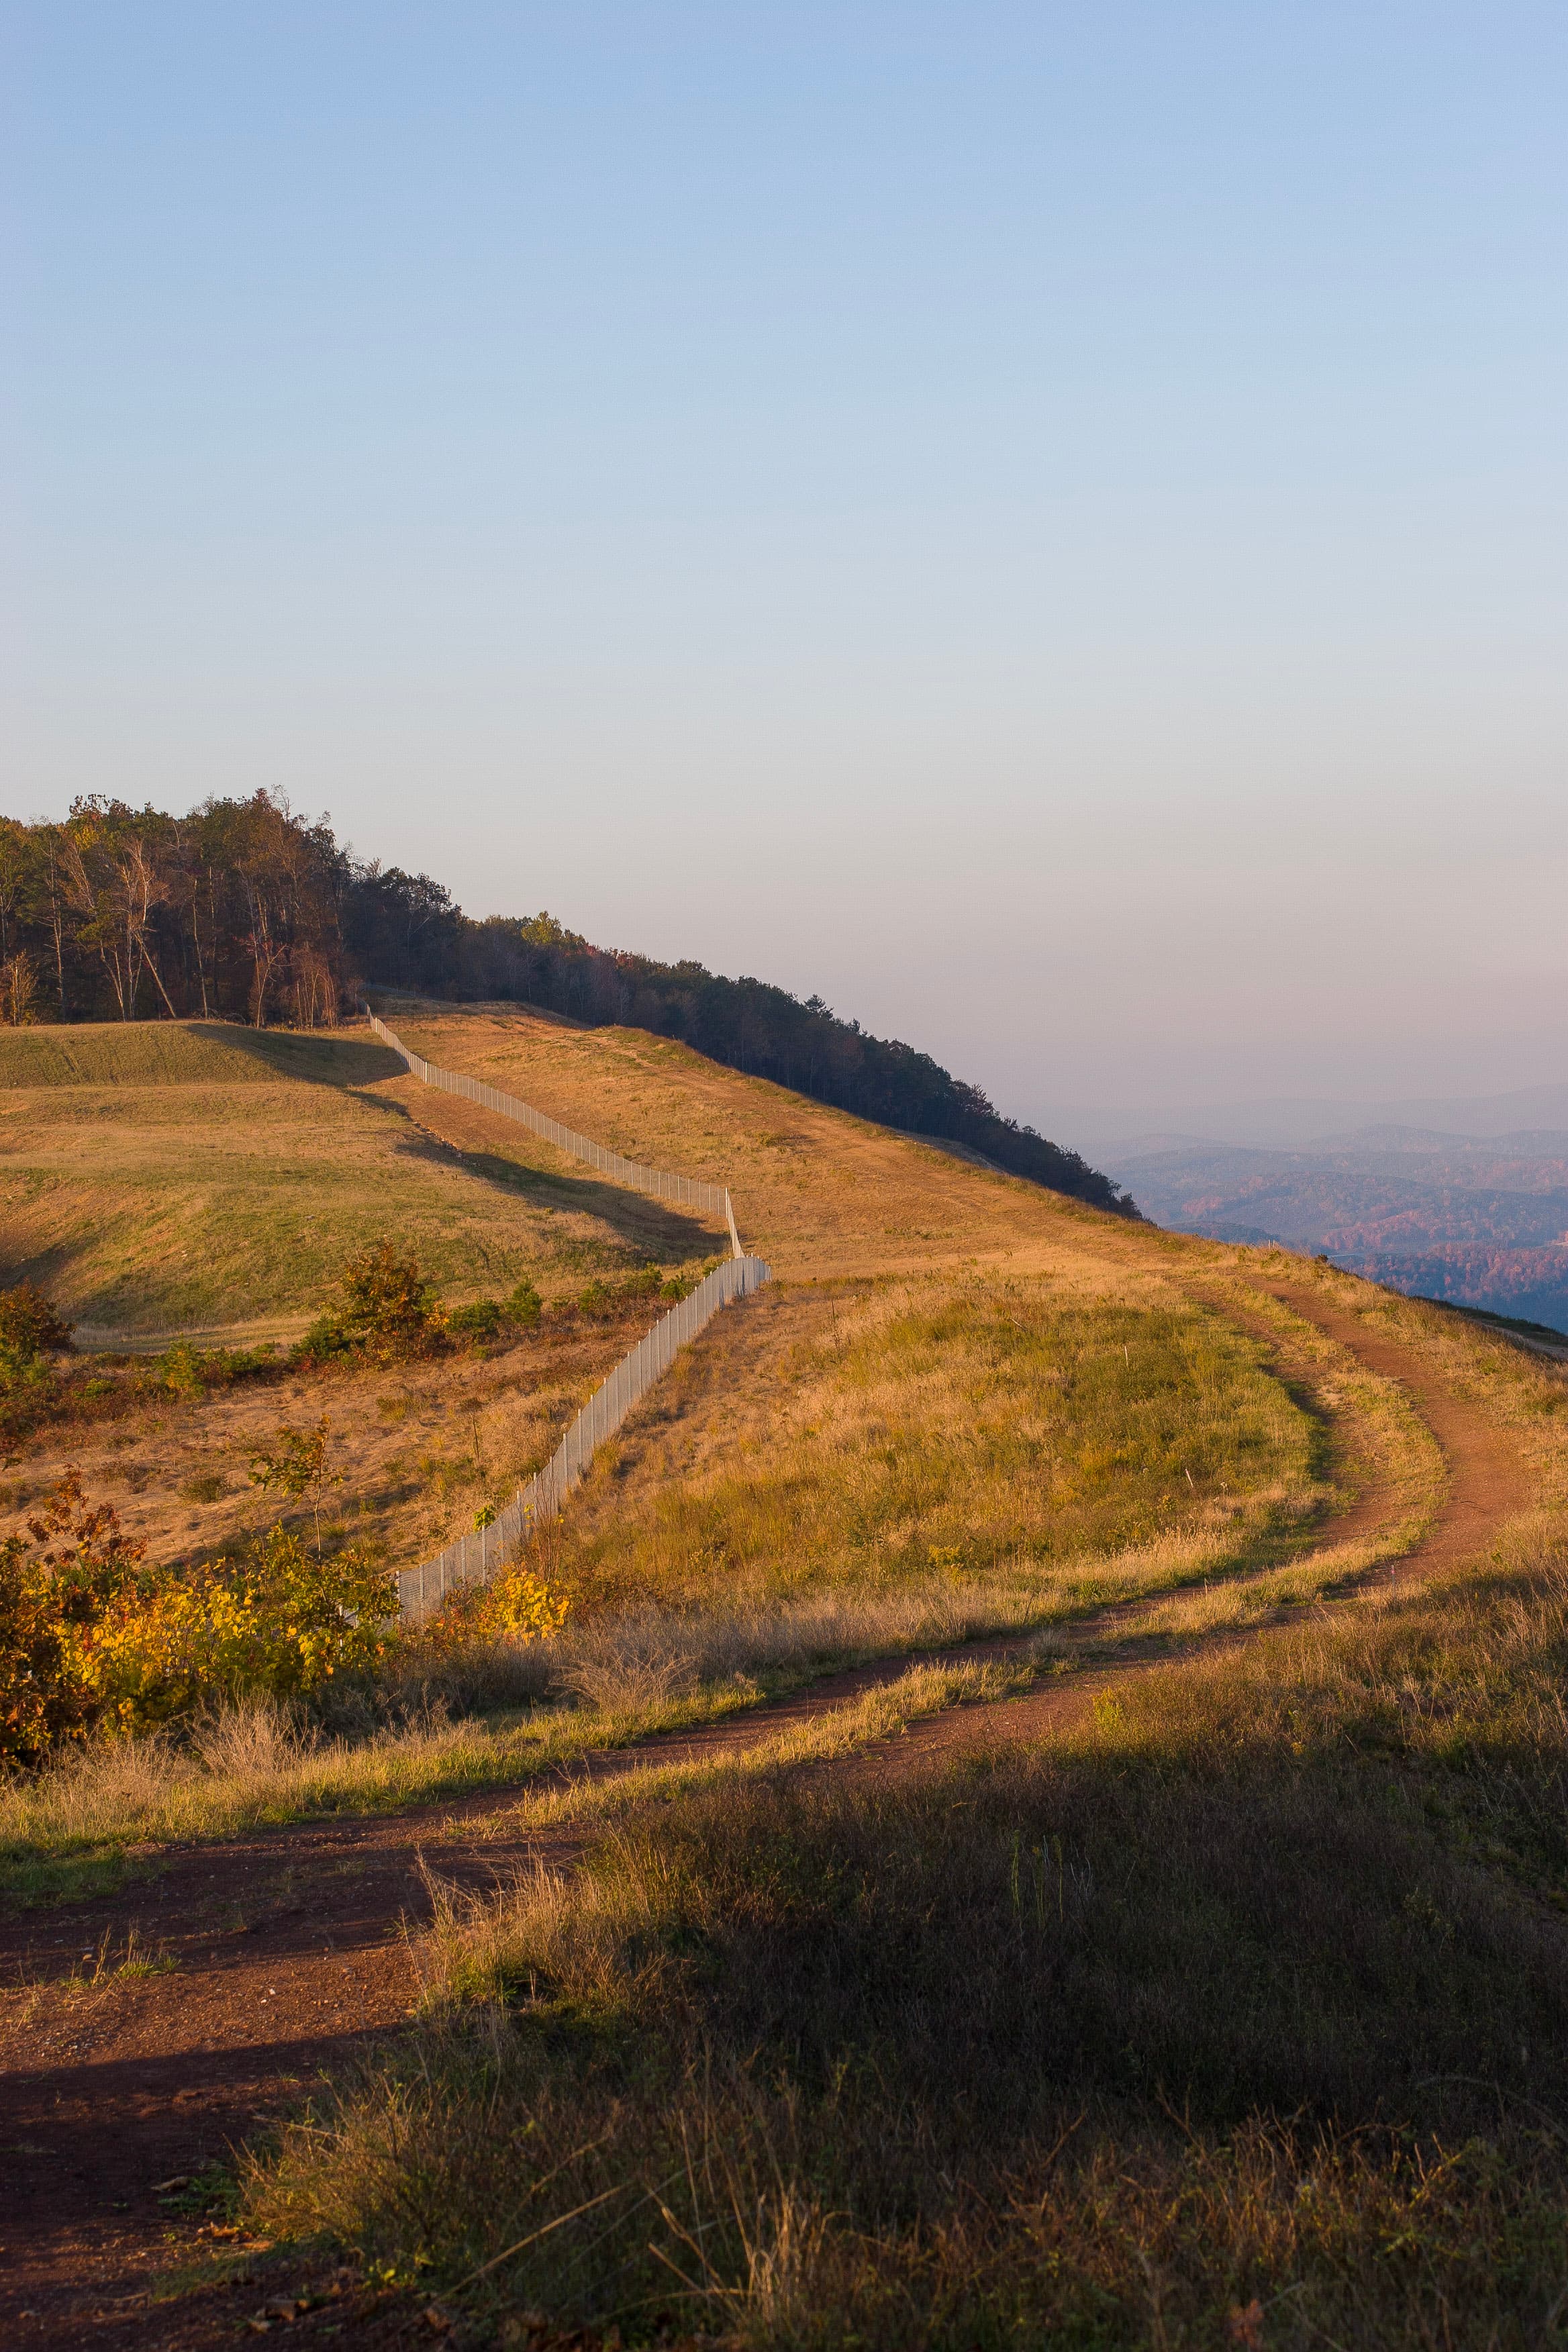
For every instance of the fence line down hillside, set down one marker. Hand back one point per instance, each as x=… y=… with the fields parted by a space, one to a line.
x=472 y=1557
x=684 y=1189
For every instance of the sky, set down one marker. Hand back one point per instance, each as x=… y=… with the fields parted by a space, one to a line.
x=1042 y=524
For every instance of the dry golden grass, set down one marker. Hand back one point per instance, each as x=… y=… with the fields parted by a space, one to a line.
x=1235 y=2016
x=418 y=1447
x=180 y=1176
x=160 y=1178
x=1014 y=1410
x=168 y=1174
x=817 y=1193
x=967 y=1430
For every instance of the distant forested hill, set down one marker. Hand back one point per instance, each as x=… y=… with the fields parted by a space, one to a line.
x=241 y=911
x=1480 y=1222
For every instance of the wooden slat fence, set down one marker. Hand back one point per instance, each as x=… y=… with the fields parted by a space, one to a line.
x=686 y=1192
x=473 y=1557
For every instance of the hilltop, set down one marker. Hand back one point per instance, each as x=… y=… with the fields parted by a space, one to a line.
x=241 y=910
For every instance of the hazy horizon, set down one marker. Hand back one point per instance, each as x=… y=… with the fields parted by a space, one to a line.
x=1291 y=1122
x=1042 y=528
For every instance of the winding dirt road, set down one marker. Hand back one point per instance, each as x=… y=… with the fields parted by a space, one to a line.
x=291 y=1952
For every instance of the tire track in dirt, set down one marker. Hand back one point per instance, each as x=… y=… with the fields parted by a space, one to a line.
x=291 y=1947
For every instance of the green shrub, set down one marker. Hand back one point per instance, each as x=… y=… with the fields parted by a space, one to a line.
x=30 y=1331
x=295 y=1464
x=23 y=1375
x=180 y=1369
x=603 y=1298
x=325 y=1342
x=389 y=1308
x=481 y=1319
x=390 y=1313
x=58 y=1582
x=525 y=1305
x=282 y=1621
x=90 y=1636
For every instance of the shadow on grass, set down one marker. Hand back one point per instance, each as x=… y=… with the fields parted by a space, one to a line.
x=634 y=1218
x=314 y=1060
x=1035 y=2050
x=350 y=1065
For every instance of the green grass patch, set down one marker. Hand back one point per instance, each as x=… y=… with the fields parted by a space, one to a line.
x=985 y=1427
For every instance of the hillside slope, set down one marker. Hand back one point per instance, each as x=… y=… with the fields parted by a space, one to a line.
x=186 y=1175
x=817 y=1190
x=1170 y=1951
x=249 y=914
x=195 y=1176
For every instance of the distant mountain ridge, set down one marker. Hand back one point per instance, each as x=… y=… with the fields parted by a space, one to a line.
x=1478 y=1221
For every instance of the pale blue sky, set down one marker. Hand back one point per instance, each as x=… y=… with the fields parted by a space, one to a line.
x=1045 y=524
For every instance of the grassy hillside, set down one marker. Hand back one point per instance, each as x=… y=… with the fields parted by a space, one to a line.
x=184 y=1053
x=166 y=1176
x=231 y=873
x=985 y=1434
x=163 y=1176
x=976 y=1361
x=1222 y=2004
x=817 y=1193
x=1229 y=2011
x=961 y=1390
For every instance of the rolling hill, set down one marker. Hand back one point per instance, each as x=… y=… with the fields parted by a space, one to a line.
x=207 y=1181
x=159 y=1177
x=1477 y=1221
x=241 y=910
x=1037 y=1818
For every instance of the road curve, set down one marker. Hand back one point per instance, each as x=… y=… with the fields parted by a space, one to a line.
x=292 y=1951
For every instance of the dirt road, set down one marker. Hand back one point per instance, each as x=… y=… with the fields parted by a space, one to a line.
x=290 y=1948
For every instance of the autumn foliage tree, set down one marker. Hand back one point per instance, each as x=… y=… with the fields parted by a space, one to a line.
x=232 y=911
